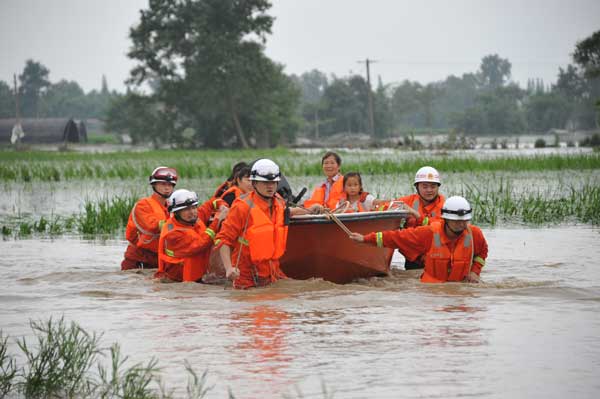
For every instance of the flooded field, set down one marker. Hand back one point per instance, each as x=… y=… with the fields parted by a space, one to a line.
x=536 y=318
x=530 y=330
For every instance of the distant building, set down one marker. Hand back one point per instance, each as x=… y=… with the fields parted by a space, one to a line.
x=45 y=130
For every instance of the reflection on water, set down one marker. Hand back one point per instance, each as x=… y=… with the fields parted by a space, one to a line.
x=536 y=317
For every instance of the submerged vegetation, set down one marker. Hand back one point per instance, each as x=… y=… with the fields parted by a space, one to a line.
x=492 y=206
x=68 y=362
x=46 y=166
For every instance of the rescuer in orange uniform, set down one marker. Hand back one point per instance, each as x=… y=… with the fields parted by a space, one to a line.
x=185 y=241
x=146 y=219
x=256 y=229
x=452 y=250
x=328 y=194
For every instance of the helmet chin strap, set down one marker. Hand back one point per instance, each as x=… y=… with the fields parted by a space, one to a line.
x=457 y=233
x=179 y=219
x=162 y=195
x=259 y=193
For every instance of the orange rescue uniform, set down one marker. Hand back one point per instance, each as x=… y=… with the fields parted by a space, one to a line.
x=429 y=213
x=257 y=234
x=142 y=232
x=445 y=259
x=184 y=250
x=319 y=195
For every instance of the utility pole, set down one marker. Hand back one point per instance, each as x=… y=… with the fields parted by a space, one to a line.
x=371 y=115
x=17 y=115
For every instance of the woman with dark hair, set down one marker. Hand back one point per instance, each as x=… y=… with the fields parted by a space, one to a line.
x=328 y=193
x=241 y=185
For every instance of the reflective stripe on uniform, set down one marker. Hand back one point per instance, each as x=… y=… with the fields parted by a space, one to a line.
x=425 y=221
x=169 y=253
x=243 y=241
x=416 y=205
x=379 y=237
x=467 y=242
x=437 y=241
x=479 y=260
x=214 y=204
x=210 y=233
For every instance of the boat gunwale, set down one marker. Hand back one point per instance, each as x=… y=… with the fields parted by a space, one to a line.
x=349 y=217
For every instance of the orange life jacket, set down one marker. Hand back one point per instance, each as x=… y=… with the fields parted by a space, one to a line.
x=265 y=239
x=443 y=265
x=136 y=234
x=194 y=267
x=237 y=192
x=430 y=212
x=335 y=193
x=360 y=204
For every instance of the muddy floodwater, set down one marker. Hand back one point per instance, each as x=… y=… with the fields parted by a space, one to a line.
x=531 y=330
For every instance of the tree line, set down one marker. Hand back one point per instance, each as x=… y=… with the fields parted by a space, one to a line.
x=202 y=79
x=39 y=98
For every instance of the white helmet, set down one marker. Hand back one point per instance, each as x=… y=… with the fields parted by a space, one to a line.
x=265 y=170
x=427 y=174
x=456 y=208
x=181 y=199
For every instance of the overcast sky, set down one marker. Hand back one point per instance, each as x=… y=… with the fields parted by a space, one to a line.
x=422 y=40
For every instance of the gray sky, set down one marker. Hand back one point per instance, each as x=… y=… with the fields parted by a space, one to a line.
x=423 y=40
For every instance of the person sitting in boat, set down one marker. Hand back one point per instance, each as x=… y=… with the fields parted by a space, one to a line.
x=253 y=237
x=226 y=185
x=146 y=219
x=354 y=198
x=452 y=250
x=241 y=185
x=185 y=241
x=427 y=201
x=327 y=194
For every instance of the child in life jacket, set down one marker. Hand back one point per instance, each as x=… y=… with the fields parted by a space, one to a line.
x=353 y=196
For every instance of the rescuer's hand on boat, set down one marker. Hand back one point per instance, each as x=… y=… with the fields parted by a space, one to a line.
x=357 y=237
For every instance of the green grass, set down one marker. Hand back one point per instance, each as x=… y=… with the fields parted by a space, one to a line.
x=504 y=205
x=55 y=166
x=65 y=361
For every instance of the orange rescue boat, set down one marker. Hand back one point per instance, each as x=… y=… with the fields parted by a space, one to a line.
x=318 y=248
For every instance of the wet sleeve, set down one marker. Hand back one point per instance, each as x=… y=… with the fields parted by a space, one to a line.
x=145 y=217
x=411 y=243
x=480 y=249
x=232 y=226
x=206 y=210
x=188 y=243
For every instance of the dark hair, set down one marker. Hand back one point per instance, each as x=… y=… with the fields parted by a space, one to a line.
x=235 y=169
x=244 y=171
x=334 y=155
x=354 y=174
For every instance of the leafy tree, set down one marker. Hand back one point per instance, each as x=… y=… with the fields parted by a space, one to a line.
x=345 y=104
x=405 y=105
x=545 y=111
x=7 y=101
x=587 y=54
x=426 y=95
x=63 y=99
x=494 y=71
x=207 y=57
x=33 y=81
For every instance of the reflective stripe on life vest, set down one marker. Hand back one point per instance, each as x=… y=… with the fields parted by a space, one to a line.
x=441 y=264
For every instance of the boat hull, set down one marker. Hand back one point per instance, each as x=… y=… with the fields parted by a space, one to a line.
x=319 y=248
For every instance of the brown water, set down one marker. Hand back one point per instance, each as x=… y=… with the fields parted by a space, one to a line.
x=532 y=330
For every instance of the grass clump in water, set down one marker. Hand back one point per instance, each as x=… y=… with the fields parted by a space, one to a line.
x=58 y=365
x=61 y=365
